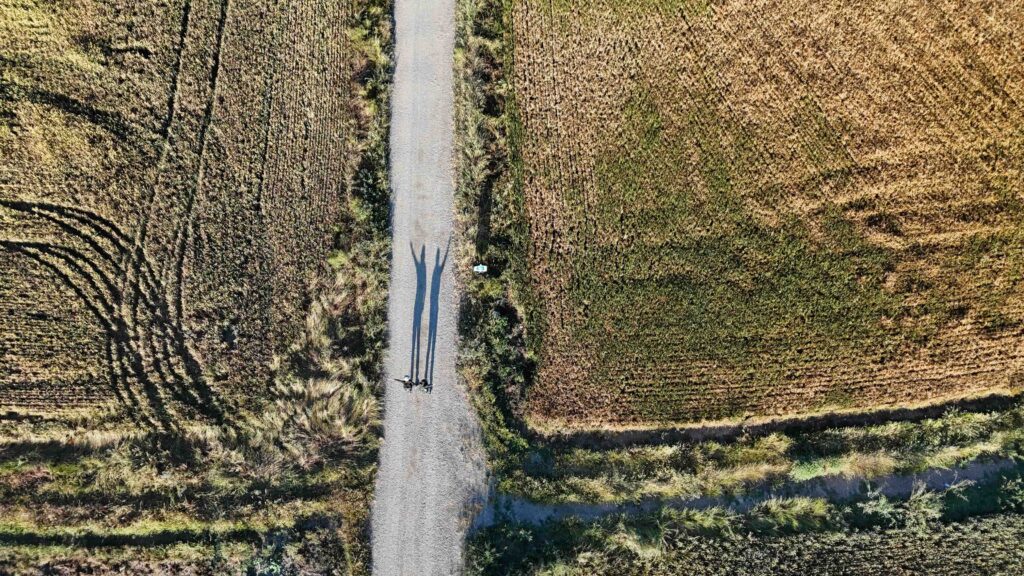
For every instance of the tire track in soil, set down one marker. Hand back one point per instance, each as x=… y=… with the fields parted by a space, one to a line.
x=139 y=270
x=184 y=230
x=186 y=374
x=134 y=351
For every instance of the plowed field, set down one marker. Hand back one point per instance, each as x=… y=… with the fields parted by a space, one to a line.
x=743 y=209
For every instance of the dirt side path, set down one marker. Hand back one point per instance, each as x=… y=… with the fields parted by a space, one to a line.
x=506 y=508
x=432 y=467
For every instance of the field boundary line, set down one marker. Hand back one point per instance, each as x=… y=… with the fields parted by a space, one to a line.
x=728 y=430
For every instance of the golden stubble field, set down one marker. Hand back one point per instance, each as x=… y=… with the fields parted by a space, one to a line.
x=172 y=176
x=743 y=209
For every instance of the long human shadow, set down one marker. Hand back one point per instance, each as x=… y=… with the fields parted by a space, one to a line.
x=435 y=293
x=417 y=314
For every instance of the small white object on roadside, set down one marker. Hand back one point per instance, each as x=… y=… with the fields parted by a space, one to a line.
x=480 y=268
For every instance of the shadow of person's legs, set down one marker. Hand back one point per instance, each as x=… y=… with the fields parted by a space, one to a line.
x=435 y=295
x=417 y=311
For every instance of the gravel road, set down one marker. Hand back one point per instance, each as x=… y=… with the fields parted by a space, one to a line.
x=432 y=468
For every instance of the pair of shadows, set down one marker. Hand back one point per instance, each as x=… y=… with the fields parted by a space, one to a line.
x=417 y=315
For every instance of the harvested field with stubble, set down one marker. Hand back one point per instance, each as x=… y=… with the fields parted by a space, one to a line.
x=193 y=273
x=173 y=178
x=752 y=209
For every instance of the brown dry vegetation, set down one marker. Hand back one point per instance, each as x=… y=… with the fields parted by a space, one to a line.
x=751 y=208
x=192 y=271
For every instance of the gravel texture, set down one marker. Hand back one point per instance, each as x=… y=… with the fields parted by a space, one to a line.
x=432 y=472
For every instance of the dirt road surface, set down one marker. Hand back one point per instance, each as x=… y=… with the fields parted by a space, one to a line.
x=432 y=468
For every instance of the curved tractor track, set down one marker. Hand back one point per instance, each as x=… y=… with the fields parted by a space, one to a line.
x=151 y=366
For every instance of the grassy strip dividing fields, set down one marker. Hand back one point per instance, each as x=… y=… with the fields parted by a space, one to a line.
x=683 y=543
x=963 y=528
x=557 y=474
x=62 y=505
x=495 y=359
x=199 y=558
x=311 y=544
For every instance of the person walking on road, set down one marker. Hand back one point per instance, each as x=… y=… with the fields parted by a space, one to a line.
x=406 y=382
